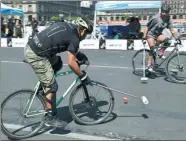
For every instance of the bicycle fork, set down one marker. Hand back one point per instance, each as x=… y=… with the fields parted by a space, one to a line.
x=86 y=95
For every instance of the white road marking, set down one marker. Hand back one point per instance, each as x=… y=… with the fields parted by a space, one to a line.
x=14 y=126
x=94 y=66
x=14 y=62
x=69 y=135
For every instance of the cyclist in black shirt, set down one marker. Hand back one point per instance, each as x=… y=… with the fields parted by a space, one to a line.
x=40 y=52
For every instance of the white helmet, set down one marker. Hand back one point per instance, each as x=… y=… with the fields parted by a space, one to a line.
x=85 y=23
x=61 y=16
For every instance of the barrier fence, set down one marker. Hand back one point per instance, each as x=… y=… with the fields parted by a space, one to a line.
x=95 y=44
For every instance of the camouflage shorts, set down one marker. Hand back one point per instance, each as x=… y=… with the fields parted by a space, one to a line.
x=42 y=66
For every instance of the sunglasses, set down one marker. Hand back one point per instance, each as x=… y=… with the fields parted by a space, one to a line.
x=165 y=12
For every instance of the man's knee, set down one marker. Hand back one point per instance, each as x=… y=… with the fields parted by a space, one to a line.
x=52 y=88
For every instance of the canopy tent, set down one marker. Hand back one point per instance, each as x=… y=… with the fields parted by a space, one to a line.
x=124 y=6
x=6 y=10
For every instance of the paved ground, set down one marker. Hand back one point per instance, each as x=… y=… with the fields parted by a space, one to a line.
x=166 y=112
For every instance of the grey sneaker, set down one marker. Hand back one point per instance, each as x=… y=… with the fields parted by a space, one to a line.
x=54 y=121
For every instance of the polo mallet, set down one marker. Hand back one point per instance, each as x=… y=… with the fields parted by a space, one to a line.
x=142 y=98
x=144 y=79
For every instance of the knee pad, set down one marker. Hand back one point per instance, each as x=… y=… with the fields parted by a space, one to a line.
x=54 y=87
x=152 y=52
x=167 y=42
x=53 y=90
x=58 y=65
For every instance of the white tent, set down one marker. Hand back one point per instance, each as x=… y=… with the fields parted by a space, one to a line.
x=124 y=6
x=6 y=10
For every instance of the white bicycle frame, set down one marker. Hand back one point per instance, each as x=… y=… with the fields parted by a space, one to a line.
x=30 y=101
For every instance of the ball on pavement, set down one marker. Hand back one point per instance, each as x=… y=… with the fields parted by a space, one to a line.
x=125 y=99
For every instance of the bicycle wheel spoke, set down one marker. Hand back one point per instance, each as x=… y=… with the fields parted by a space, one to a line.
x=92 y=113
x=176 y=68
x=21 y=127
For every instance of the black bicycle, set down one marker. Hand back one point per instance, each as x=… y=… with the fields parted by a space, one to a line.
x=173 y=62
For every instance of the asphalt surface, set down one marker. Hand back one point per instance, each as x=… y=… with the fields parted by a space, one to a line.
x=165 y=115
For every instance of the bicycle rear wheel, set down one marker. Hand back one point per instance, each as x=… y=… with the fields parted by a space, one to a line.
x=175 y=65
x=91 y=108
x=14 y=107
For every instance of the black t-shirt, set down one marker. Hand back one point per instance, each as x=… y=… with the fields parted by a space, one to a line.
x=56 y=38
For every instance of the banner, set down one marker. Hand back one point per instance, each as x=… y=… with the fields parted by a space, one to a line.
x=116 y=44
x=19 y=42
x=4 y=42
x=139 y=45
x=89 y=44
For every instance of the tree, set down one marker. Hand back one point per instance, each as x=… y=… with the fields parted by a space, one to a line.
x=55 y=18
x=71 y=18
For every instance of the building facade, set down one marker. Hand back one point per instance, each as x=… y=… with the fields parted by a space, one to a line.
x=178 y=9
x=47 y=9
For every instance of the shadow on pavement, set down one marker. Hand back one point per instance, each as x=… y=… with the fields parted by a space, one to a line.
x=160 y=72
x=92 y=112
x=143 y=115
x=112 y=117
x=170 y=81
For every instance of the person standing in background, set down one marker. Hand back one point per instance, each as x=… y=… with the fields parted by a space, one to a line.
x=42 y=23
x=18 y=29
x=34 y=25
x=10 y=26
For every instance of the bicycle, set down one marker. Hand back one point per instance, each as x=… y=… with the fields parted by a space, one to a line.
x=28 y=112
x=175 y=53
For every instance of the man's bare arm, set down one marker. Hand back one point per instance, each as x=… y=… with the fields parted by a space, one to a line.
x=73 y=64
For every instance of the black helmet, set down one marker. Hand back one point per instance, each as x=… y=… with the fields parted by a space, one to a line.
x=84 y=22
x=165 y=8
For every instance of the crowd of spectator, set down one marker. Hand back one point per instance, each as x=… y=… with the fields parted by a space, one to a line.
x=11 y=28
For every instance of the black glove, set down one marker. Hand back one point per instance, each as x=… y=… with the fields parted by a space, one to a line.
x=85 y=78
x=178 y=40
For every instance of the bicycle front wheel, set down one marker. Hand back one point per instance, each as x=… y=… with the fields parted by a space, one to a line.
x=176 y=68
x=90 y=110
x=137 y=61
x=17 y=122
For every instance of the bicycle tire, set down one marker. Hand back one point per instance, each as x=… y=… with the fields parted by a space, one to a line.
x=167 y=72
x=13 y=136
x=134 y=58
x=76 y=118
